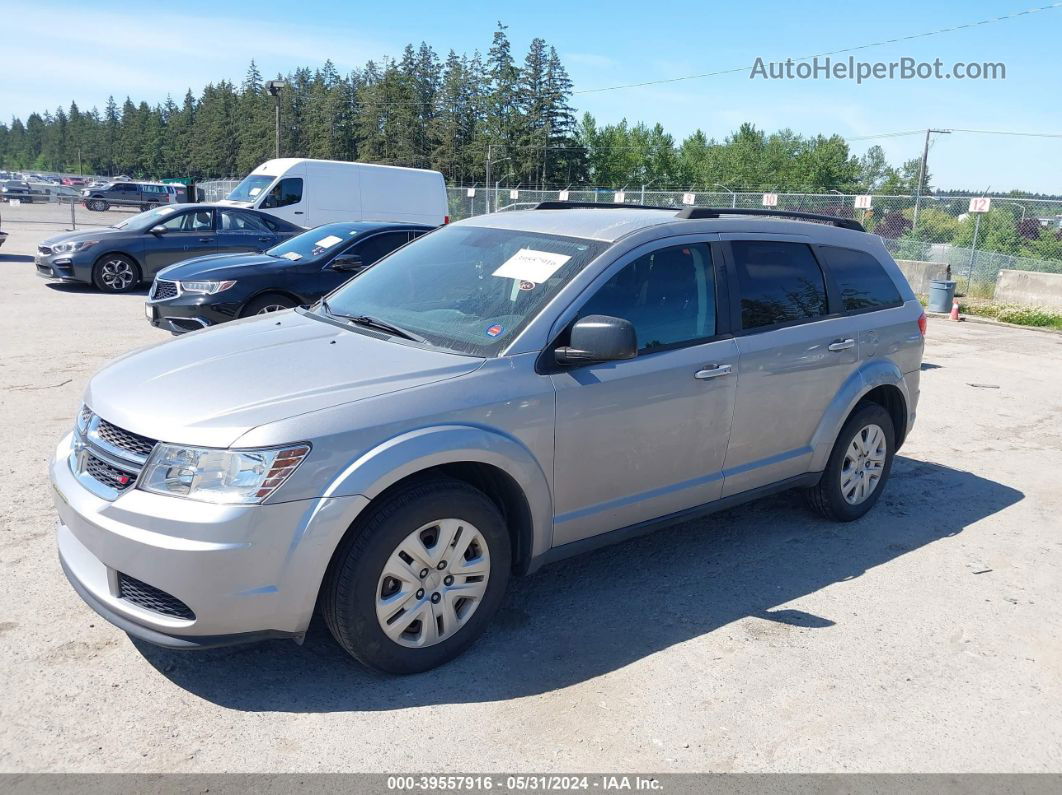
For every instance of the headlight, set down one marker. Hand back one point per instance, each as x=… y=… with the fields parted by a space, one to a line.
x=70 y=248
x=220 y=476
x=205 y=288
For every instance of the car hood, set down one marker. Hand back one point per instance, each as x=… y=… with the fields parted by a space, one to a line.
x=88 y=234
x=215 y=265
x=210 y=387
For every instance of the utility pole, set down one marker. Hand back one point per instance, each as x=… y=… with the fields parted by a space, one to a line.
x=273 y=87
x=922 y=176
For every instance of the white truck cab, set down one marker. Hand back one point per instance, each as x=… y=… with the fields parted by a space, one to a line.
x=314 y=192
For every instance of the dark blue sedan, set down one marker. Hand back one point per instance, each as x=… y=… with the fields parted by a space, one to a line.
x=209 y=290
x=118 y=258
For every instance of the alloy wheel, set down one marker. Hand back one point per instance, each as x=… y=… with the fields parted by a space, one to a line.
x=270 y=308
x=864 y=462
x=117 y=275
x=432 y=583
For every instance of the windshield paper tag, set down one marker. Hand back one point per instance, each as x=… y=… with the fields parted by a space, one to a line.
x=254 y=191
x=166 y=210
x=531 y=266
x=328 y=242
x=292 y=256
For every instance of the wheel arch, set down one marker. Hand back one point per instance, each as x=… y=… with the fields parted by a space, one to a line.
x=497 y=464
x=269 y=291
x=878 y=381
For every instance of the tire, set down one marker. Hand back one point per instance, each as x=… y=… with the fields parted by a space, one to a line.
x=872 y=426
x=115 y=273
x=265 y=304
x=97 y=205
x=357 y=586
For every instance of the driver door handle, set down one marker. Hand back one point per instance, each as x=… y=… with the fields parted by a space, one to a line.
x=204 y=239
x=842 y=345
x=713 y=371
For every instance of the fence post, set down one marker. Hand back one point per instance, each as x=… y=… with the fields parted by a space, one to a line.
x=73 y=218
x=973 y=252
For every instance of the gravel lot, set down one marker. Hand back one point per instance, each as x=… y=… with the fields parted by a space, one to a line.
x=926 y=637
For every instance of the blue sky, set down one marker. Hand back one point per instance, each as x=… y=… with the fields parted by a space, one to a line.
x=86 y=51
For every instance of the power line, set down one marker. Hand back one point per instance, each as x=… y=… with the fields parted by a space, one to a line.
x=737 y=69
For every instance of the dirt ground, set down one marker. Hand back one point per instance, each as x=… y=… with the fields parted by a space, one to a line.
x=925 y=637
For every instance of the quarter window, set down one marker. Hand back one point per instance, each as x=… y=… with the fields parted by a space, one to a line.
x=777 y=283
x=863 y=283
x=668 y=296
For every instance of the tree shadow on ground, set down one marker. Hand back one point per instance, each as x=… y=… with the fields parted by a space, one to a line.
x=586 y=616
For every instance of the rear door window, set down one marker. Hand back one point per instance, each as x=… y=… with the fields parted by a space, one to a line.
x=778 y=282
x=862 y=280
x=379 y=246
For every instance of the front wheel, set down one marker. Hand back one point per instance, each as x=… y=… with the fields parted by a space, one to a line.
x=418 y=579
x=97 y=205
x=265 y=304
x=115 y=273
x=858 y=467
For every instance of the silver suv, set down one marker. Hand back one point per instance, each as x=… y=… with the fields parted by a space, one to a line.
x=501 y=393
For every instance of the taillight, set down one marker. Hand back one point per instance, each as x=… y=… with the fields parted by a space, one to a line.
x=446 y=219
x=922 y=323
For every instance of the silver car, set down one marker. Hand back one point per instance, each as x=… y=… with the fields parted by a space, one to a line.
x=501 y=393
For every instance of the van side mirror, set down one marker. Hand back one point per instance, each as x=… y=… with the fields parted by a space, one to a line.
x=347 y=262
x=599 y=338
x=158 y=229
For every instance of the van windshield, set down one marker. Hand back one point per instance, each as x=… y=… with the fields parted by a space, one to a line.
x=464 y=288
x=250 y=188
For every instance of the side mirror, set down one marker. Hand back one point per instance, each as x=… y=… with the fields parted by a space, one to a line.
x=347 y=262
x=158 y=230
x=599 y=338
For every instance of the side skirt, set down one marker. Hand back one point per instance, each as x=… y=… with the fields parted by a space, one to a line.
x=643 y=528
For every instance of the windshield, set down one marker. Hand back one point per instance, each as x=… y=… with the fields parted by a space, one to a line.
x=318 y=241
x=465 y=288
x=251 y=187
x=145 y=220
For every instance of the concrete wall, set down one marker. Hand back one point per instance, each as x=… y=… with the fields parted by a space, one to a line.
x=1029 y=288
x=920 y=274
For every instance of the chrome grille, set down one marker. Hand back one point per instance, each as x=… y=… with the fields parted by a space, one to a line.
x=108 y=475
x=107 y=459
x=161 y=290
x=125 y=440
x=151 y=598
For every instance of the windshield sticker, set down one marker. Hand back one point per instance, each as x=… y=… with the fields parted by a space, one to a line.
x=292 y=255
x=255 y=191
x=526 y=285
x=165 y=210
x=530 y=265
x=494 y=331
x=328 y=242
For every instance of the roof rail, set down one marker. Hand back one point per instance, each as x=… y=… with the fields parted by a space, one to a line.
x=559 y=205
x=692 y=213
x=715 y=212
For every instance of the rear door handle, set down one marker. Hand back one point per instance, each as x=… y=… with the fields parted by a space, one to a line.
x=713 y=371
x=842 y=345
x=205 y=239
x=298 y=212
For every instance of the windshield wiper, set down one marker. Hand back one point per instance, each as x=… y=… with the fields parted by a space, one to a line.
x=372 y=322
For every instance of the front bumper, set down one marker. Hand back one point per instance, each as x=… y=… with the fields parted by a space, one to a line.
x=246 y=572
x=65 y=267
x=189 y=312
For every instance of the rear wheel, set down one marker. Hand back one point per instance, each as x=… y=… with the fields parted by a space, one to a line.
x=264 y=304
x=858 y=467
x=418 y=579
x=115 y=273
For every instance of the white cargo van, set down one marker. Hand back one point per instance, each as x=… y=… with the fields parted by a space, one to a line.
x=314 y=192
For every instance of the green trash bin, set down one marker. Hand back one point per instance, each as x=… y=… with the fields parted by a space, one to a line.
x=941 y=295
